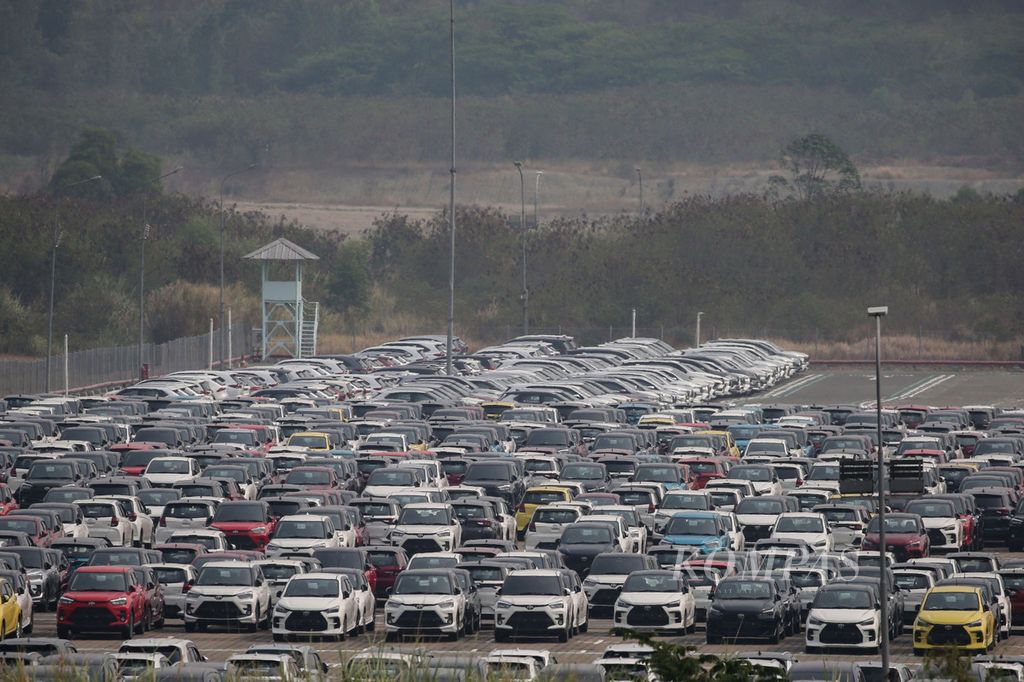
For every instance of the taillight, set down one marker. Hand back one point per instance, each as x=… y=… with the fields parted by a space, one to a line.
x=650 y=509
x=799 y=482
x=1002 y=511
x=533 y=526
x=113 y=521
x=484 y=522
x=132 y=517
x=163 y=521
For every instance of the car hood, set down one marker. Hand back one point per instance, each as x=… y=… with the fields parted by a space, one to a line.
x=756 y=519
x=649 y=598
x=309 y=603
x=246 y=526
x=949 y=617
x=689 y=539
x=419 y=599
x=842 y=615
x=939 y=522
x=530 y=600
x=421 y=530
x=744 y=606
x=583 y=550
x=895 y=538
x=98 y=597
x=291 y=543
x=219 y=590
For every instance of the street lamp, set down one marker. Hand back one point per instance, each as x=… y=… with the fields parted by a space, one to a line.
x=640 y=179
x=522 y=228
x=451 y=199
x=53 y=268
x=142 y=269
x=536 y=199
x=699 y=315
x=878 y=313
x=223 y=181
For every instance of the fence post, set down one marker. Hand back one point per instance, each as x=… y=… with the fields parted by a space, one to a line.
x=230 y=330
x=209 y=356
x=66 y=384
x=610 y=335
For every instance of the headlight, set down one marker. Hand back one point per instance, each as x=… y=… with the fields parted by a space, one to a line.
x=445 y=533
x=506 y=486
x=244 y=596
x=273 y=546
x=259 y=529
x=450 y=604
x=767 y=610
x=120 y=601
x=503 y=605
x=66 y=600
x=555 y=605
x=975 y=624
x=397 y=533
x=814 y=621
x=589 y=582
x=393 y=603
x=282 y=610
x=868 y=621
x=674 y=604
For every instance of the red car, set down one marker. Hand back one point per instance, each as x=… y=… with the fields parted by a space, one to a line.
x=7 y=501
x=246 y=524
x=389 y=562
x=33 y=526
x=102 y=599
x=704 y=470
x=134 y=460
x=1013 y=581
x=905 y=536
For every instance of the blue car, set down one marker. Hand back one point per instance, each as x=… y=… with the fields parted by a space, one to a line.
x=744 y=433
x=703 y=531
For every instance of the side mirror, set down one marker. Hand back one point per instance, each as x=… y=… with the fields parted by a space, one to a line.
x=566 y=591
x=346 y=594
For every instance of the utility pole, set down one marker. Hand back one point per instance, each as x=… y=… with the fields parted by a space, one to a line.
x=142 y=270
x=640 y=180
x=883 y=636
x=451 y=200
x=536 y=200
x=697 y=344
x=525 y=296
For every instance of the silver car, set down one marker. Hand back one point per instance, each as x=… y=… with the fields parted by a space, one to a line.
x=184 y=514
x=173 y=579
x=546 y=526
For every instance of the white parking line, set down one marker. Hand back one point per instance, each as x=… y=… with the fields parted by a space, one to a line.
x=794 y=386
x=922 y=386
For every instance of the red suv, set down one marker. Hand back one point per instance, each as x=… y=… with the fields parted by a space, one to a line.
x=101 y=599
x=247 y=524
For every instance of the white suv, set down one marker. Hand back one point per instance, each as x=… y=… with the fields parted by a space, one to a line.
x=316 y=605
x=535 y=602
x=228 y=593
x=427 y=527
x=302 y=534
x=844 y=616
x=425 y=601
x=655 y=601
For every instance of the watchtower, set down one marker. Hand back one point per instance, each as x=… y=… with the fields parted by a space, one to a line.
x=289 y=321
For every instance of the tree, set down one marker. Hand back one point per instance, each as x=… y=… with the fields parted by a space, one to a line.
x=818 y=166
x=96 y=153
x=349 y=283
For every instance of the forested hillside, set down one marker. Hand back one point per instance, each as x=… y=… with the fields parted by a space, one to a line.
x=316 y=83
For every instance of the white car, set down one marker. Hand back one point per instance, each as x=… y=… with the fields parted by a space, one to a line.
x=212 y=540
x=139 y=665
x=437 y=477
x=106 y=520
x=458 y=492
x=945 y=527
x=724 y=499
x=770 y=447
x=808 y=526
x=173 y=579
x=536 y=602
x=385 y=481
x=623 y=539
x=425 y=601
x=163 y=472
x=228 y=593
x=317 y=605
x=278 y=571
x=844 y=616
x=655 y=601
x=737 y=542
x=142 y=524
x=262 y=667
x=999 y=590
x=427 y=527
x=184 y=514
x=762 y=476
x=302 y=533
x=807 y=580
x=679 y=501
x=547 y=524
x=436 y=560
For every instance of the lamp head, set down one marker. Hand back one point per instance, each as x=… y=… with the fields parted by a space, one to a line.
x=878 y=311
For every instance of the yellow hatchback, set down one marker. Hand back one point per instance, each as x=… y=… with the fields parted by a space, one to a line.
x=10 y=611
x=728 y=443
x=316 y=441
x=954 y=615
x=535 y=497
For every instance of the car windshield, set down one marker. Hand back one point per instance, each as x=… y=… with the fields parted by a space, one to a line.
x=531 y=585
x=296 y=440
x=984 y=501
x=433 y=562
x=582 y=472
x=301 y=529
x=723 y=498
x=843 y=599
x=372 y=510
x=636 y=497
x=912 y=581
x=278 y=571
x=157 y=497
x=178 y=555
x=951 y=601
x=44 y=470
x=307 y=477
x=743 y=589
x=926 y=509
x=682 y=525
x=239 y=512
x=805 y=578
x=483 y=573
x=311 y=587
x=686 y=501
x=170 y=576
x=751 y=473
x=424 y=517
x=483 y=472
x=97 y=510
x=168 y=466
x=586 y=535
x=616 y=564
x=239 y=437
x=652 y=583
x=657 y=474
x=799 y=524
x=562 y=516
x=391 y=477
x=834 y=515
x=547 y=437
x=466 y=512
x=894 y=524
x=431 y=583
x=227 y=576
x=759 y=506
x=98 y=582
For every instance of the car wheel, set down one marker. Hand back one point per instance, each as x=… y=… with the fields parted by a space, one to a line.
x=63 y=633
x=775 y=637
x=563 y=635
x=255 y=624
x=128 y=632
x=278 y=637
x=190 y=627
x=371 y=624
x=586 y=624
x=712 y=639
x=391 y=637
x=500 y=636
x=344 y=630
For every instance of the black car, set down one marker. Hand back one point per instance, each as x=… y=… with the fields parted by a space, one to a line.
x=43 y=475
x=593 y=476
x=477 y=519
x=608 y=573
x=745 y=607
x=997 y=506
x=582 y=541
x=497 y=478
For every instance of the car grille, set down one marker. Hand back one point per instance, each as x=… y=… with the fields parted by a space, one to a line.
x=755 y=533
x=419 y=620
x=936 y=537
x=530 y=621
x=844 y=633
x=414 y=546
x=647 y=615
x=948 y=634
x=578 y=563
x=241 y=541
x=92 y=617
x=605 y=597
x=172 y=611
x=306 y=621
x=218 y=610
x=547 y=545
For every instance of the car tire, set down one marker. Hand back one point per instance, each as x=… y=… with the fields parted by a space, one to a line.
x=129 y=632
x=255 y=624
x=563 y=635
x=391 y=637
x=278 y=637
x=19 y=631
x=371 y=625
x=190 y=627
x=501 y=636
x=586 y=624
x=777 y=635
x=344 y=630
x=711 y=639
x=63 y=633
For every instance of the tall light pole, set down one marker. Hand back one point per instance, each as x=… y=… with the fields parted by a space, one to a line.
x=878 y=313
x=451 y=199
x=640 y=179
x=220 y=318
x=53 y=268
x=536 y=199
x=142 y=269
x=525 y=296
x=697 y=344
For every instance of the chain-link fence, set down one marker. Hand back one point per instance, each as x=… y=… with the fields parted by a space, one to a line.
x=97 y=366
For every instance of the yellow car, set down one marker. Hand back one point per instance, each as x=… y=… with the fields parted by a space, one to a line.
x=316 y=441
x=954 y=615
x=10 y=611
x=652 y=421
x=535 y=497
x=494 y=410
x=726 y=437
